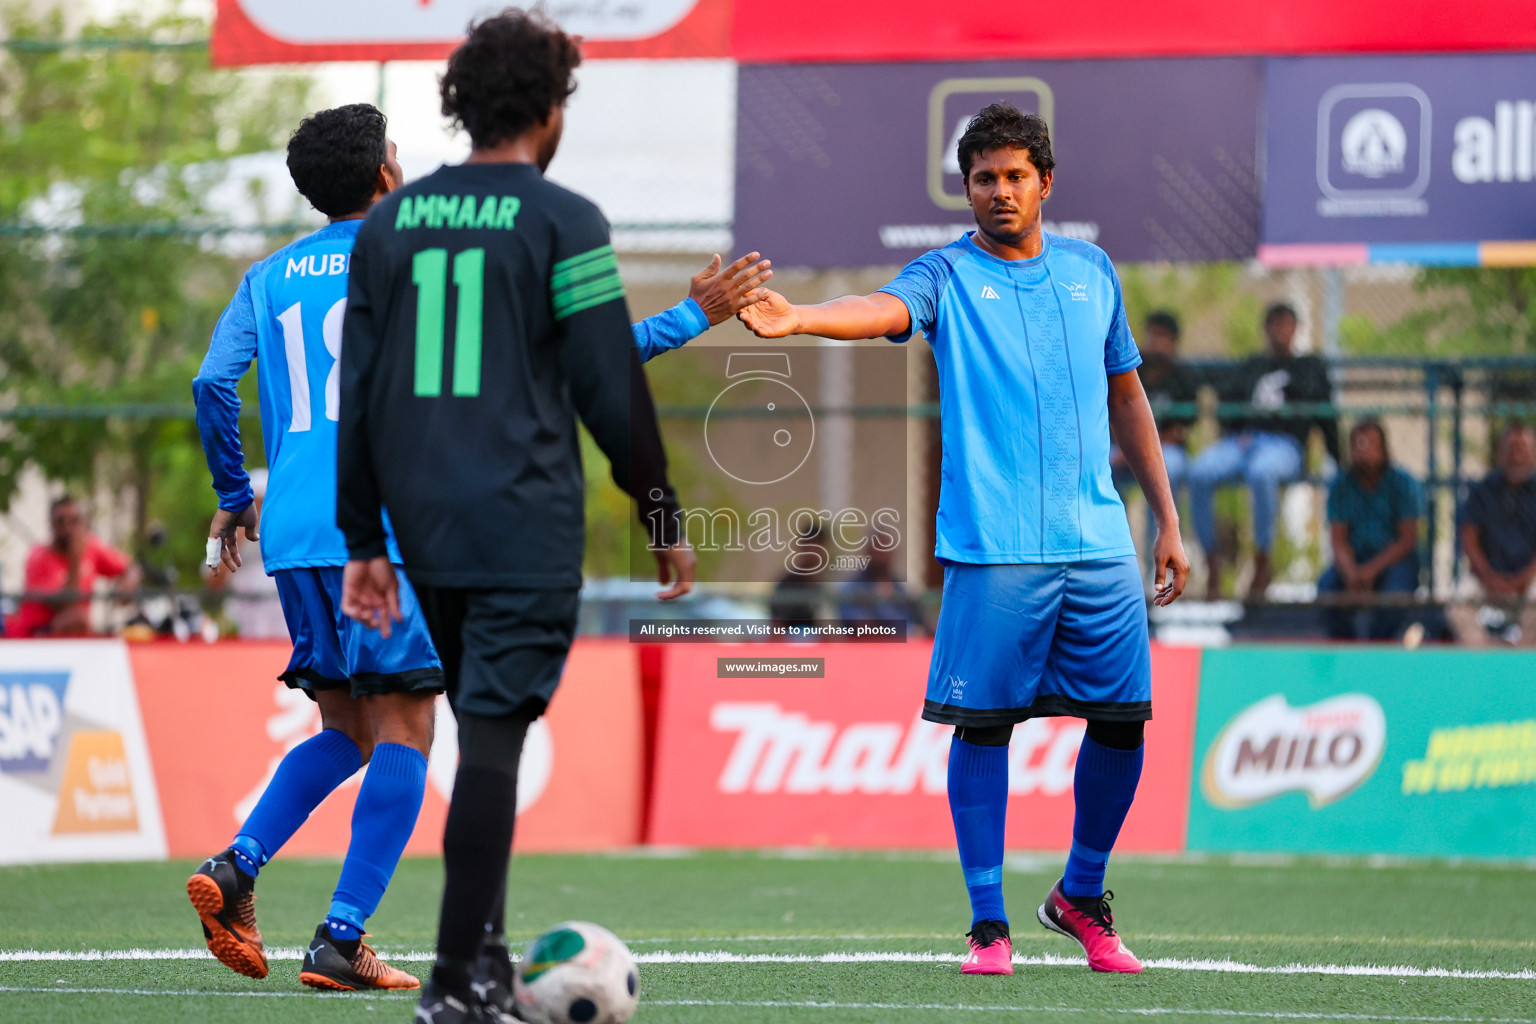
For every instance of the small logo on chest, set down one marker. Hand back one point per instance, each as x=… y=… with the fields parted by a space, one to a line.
x=1079 y=292
x=988 y=293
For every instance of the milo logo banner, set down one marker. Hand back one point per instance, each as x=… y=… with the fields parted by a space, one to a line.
x=1426 y=753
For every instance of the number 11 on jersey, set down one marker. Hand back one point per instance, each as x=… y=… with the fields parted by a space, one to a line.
x=429 y=272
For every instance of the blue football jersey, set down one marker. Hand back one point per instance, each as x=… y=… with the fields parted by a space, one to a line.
x=287 y=315
x=1025 y=349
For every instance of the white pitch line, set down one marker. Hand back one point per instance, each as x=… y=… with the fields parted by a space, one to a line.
x=1141 y=1011
x=1136 y=1011
x=724 y=957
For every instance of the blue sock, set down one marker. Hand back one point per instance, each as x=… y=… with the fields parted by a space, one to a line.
x=382 y=822
x=978 y=800
x=306 y=776
x=1103 y=787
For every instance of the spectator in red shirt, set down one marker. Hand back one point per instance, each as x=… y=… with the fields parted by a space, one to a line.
x=68 y=566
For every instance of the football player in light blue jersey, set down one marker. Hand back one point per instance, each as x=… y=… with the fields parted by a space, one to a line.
x=1043 y=610
x=375 y=693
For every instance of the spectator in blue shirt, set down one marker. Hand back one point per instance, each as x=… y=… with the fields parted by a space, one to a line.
x=1498 y=533
x=1373 y=520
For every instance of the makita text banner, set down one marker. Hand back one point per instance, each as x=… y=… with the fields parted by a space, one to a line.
x=845 y=760
x=1358 y=751
x=579 y=783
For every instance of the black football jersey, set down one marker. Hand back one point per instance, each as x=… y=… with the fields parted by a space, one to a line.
x=484 y=315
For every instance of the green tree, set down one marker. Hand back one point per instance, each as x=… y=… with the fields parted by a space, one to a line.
x=122 y=144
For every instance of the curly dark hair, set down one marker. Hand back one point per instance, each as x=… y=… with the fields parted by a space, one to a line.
x=334 y=157
x=1003 y=125
x=508 y=75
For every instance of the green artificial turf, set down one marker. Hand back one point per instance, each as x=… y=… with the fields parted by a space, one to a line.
x=1270 y=912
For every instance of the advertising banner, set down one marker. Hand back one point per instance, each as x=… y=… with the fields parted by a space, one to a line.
x=1400 y=150
x=843 y=759
x=75 y=775
x=801 y=30
x=218 y=722
x=1427 y=753
x=287 y=31
x=855 y=165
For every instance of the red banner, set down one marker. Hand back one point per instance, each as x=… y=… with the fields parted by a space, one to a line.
x=218 y=722
x=846 y=761
x=769 y=31
x=285 y=32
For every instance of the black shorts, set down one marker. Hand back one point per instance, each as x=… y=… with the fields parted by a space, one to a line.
x=502 y=650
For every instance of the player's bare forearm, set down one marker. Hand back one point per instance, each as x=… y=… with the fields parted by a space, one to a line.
x=1130 y=417
x=850 y=318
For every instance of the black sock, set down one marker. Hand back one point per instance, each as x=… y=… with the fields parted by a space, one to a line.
x=347 y=947
x=476 y=848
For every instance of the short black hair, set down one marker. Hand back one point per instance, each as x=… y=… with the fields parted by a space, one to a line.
x=1164 y=321
x=60 y=502
x=1277 y=310
x=334 y=157
x=508 y=75
x=1001 y=126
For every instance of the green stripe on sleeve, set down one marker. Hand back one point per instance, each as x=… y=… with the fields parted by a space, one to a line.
x=617 y=292
x=572 y=294
x=603 y=263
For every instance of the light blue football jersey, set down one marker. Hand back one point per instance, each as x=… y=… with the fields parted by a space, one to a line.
x=286 y=315
x=1025 y=350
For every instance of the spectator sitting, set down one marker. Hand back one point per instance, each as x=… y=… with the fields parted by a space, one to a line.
x=68 y=566
x=1498 y=533
x=1373 y=521
x=874 y=595
x=1263 y=447
x=1168 y=383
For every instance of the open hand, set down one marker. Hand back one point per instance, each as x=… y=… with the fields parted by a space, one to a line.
x=721 y=295
x=1172 y=570
x=675 y=565
x=771 y=316
x=370 y=593
x=224 y=530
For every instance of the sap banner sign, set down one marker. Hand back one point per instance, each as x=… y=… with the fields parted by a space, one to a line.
x=75 y=775
x=846 y=761
x=854 y=165
x=1356 y=751
x=1400 y=149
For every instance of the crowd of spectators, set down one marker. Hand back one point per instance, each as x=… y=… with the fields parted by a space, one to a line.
x=1268 y=408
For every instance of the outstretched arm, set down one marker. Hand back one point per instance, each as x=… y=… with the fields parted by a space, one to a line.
x=849 y=318
x=714 y=296
x=1130 y=418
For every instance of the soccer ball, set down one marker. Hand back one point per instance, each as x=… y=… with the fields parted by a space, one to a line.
x=577 y=973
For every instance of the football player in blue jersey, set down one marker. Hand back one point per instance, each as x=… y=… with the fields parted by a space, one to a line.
x=375 y=691
x=375 y=694
x=1043 y=610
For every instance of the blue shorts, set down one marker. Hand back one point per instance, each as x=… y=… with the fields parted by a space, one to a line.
x=1029 y=641
x=332 y=650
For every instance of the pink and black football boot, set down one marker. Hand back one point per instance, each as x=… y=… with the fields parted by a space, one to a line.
x=1089 y=922
x=991 y=949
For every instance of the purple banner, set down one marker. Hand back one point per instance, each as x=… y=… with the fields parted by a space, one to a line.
x=841 y=165
x=1400 y=149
